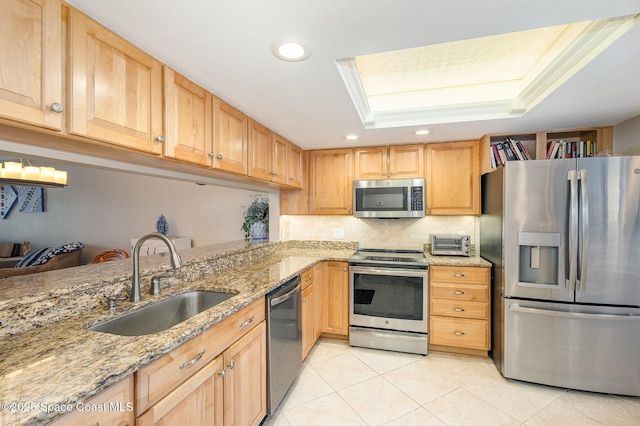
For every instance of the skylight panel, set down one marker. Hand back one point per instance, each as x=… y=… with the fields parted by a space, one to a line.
x=497 y=76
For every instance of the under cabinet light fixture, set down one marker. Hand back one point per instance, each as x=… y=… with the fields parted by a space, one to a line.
x=17 y=173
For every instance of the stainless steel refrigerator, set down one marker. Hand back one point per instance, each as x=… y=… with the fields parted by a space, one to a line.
x=564 y=240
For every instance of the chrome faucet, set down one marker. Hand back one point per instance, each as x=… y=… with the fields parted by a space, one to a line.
x=176 y=261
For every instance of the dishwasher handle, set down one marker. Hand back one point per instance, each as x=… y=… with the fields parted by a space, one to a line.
x=281 y=299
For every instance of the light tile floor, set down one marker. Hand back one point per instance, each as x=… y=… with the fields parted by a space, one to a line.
x=341 y=385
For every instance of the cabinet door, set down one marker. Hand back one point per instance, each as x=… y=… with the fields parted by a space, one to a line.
x=453 y=178
x=308 y=331
x=371 y=163
x=317 y=303
x=187 y=119
x=279 y=156
x=406 y=161
x=31 y=66
x=245 y=387
x=259 y=151
x=335 y=300
x=116 y=88
x=198 y=401
x=117 y=401
x=230 y=128
x=331 y=181
x=295 y=163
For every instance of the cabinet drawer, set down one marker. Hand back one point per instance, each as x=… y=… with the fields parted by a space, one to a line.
x=459 y=332
x=460 y=274
x=307 y=277
x=452 y=291
x=157 y=379
x=460 y=308
x=117 y=401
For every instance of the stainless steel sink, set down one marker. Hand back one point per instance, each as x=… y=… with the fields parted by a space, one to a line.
x=163 y=315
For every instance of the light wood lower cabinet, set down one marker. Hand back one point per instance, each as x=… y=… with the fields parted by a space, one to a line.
x=245 y=382
x=335 y=298
x=219 y=377
x=459 y=308
x=311 y=307
x=198 y=401
x=113 y=406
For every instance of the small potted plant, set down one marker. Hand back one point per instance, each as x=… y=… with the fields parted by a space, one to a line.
x=256 y=219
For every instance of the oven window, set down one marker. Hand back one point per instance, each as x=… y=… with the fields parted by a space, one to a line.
x=388 y=296
x=381 y=199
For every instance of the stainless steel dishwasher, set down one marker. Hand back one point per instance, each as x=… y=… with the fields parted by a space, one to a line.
x=284 y=343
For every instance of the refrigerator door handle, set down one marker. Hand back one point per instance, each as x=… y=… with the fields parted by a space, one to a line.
x=570 y=284
x=577 y=315
x=582 y=278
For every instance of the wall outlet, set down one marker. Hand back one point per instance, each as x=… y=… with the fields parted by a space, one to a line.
x=338 y=234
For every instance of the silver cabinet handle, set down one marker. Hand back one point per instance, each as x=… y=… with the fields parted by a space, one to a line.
x=56 y=107
x=308 y=279
x=193 y=361
x=223 y=373
x=219 y=157
x=458 y=309
x=247 y=322
x=304 y=300
x=159 y=138
x=231 y=365
x=211 y=154
x=458 y=292
x=458 y=275
x=457 y=333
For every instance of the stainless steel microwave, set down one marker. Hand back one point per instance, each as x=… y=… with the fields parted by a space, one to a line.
x=389 y=199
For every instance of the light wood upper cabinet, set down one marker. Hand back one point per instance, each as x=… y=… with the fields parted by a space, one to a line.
x=31 y=65
x=392 y=162
x=115 y=88
x=259 y=151
x=371 y=163
x=230 y=129
x=406 y=161
x=279 y=159
x=453 y=178
x=187 y=119
x=295 y=161
x=268 y=156
x=331 y=176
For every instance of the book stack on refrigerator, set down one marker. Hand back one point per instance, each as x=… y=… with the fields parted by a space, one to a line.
x=509 y=150
x=571 y=149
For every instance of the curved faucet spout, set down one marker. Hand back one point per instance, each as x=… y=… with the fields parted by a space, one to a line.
x=176 y=261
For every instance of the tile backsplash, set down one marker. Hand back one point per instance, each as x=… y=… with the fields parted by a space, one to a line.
x=371 y=233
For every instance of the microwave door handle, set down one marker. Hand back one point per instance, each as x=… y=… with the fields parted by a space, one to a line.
x=573 y=229
x=582 y=278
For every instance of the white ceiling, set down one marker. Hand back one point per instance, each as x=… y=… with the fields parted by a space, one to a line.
x=225 y=46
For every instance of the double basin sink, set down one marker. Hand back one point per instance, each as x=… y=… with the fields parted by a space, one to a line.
x=163 y=315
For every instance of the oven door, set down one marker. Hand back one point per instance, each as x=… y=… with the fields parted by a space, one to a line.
x=388 y=298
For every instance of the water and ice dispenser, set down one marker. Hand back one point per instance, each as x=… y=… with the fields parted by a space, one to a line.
x=539 y=258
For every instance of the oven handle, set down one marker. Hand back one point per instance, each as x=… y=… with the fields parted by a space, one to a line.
x=388 y=271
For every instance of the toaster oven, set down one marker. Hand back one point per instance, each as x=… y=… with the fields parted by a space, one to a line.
x=450 y=245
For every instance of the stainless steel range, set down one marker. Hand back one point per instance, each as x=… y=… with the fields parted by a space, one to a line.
x=388 y=300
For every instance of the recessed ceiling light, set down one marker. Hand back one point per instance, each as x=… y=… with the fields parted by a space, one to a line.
x=291 y=50
x=421 y=132
x=352 y=137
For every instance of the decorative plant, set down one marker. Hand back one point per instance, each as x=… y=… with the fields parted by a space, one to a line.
x=161 y=225
x=257 y=211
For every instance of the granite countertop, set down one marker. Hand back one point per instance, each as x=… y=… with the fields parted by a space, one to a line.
x=456 y=261
x=64 y=363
